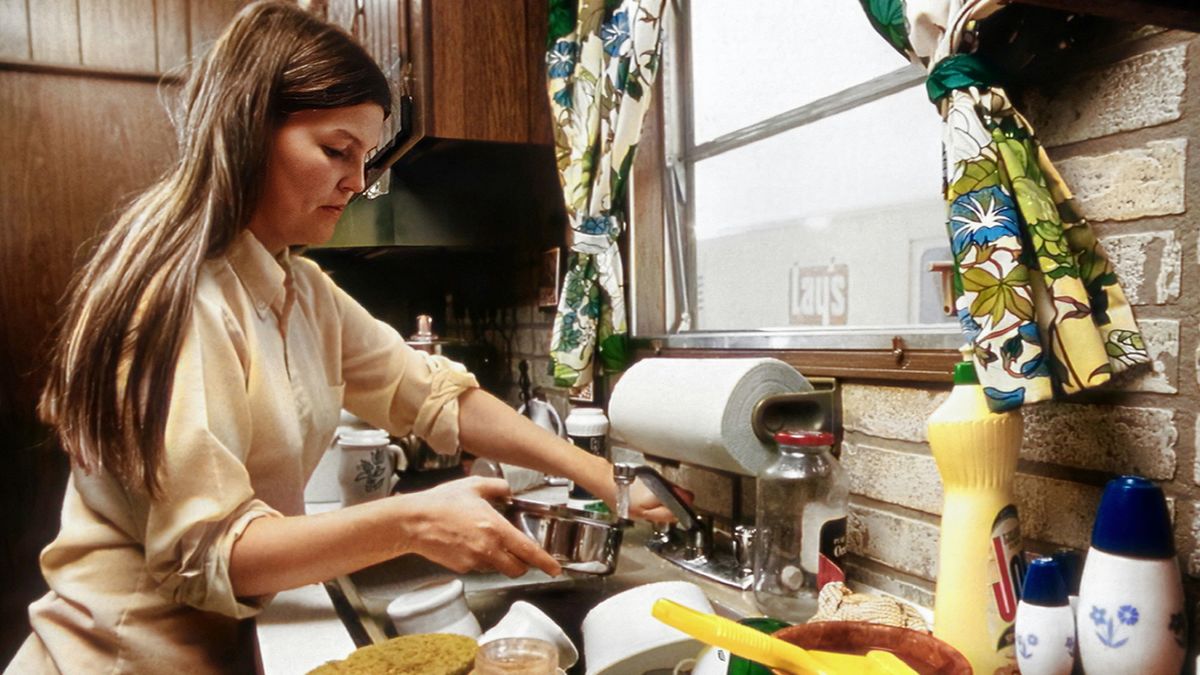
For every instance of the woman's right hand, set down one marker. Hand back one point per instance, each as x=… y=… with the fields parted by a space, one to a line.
x=456 y=526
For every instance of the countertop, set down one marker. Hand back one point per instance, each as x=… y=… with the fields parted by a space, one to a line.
x=300 y=630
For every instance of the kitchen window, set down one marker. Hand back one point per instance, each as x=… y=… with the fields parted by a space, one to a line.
x=804 y=160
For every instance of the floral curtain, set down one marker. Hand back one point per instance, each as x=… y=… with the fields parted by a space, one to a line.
x=1036 y=295
x=602 y=60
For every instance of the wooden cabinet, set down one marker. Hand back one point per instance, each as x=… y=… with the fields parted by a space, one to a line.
x=479 y=69
x=475 y=70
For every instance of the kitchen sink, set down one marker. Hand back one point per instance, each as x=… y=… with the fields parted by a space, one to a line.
x=362 y=597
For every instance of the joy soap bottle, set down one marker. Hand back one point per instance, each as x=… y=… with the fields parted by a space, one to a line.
x=1131 y=616
x=1045 y=625
x=980 y=564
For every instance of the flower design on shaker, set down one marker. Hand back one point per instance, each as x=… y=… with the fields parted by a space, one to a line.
x=1177 y=626
x=1024 y=642
x=1108 y=632
x=1071 y=643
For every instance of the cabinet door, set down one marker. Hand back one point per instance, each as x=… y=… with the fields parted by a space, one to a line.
x=484 y=69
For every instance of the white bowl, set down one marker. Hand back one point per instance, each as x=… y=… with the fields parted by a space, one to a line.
x=437 y=607
x=621 y=637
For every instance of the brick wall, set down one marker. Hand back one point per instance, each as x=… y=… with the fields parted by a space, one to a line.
x=1119 y=128
x=1120 y=120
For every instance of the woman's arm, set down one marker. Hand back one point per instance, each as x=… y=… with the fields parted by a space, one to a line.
x=453 y=524
x=488 y=427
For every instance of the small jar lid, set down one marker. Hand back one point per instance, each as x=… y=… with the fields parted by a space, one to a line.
x=1044 y=585
x=803 y=438
x=587 y=422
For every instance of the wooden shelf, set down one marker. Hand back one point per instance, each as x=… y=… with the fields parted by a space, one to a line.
x=1179 y=14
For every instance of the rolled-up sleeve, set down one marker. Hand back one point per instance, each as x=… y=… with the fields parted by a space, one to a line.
x=392 y=385
x=206 y=499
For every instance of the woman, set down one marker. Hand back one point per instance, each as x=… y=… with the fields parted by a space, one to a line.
x=201 y=368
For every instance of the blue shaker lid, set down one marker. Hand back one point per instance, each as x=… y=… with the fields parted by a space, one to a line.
x=1070 y=566
x=1132 y=520
x=1044 y=585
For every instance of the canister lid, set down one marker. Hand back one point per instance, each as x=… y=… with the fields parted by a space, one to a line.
x=362 y=438
x=587 y=422
x=1133 y=521
x=1044 y=585
x=803 y=438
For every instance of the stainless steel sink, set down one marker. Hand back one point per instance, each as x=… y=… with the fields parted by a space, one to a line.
x=362 y=597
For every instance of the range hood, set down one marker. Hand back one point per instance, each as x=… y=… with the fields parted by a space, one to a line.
x=449 y=192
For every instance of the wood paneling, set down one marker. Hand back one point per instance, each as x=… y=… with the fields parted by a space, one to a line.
x=54 y=31
x=14 y=30
x=172 y=34
x=118 y=34
x=73 y=147
x=207 y=19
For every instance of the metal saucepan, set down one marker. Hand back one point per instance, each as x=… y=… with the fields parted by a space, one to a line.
x=581 y=541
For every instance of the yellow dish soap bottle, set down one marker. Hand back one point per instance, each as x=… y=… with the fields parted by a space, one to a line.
x=981 y=564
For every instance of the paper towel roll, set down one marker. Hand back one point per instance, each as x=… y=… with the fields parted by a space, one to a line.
x=698 y=410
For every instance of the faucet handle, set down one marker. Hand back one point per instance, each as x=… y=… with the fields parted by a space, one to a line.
x=743 y=548
x=625 y=473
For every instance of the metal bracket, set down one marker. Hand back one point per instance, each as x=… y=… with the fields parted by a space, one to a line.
x=816 y=410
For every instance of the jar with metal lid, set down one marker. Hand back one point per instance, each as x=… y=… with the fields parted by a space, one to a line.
x=800 y=534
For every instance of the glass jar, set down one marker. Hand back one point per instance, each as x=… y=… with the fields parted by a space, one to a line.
x=800 y=521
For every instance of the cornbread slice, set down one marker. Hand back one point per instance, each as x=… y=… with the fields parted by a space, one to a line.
x=428 y=654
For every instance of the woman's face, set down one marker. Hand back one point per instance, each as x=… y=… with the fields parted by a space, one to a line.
x=314 y=165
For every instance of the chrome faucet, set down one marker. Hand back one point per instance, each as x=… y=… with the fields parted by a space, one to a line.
x=624 y=474
x=693 y=550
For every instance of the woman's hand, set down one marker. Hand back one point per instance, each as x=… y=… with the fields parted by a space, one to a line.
x=455 y=526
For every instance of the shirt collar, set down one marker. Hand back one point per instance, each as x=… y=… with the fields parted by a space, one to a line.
x=264 y=275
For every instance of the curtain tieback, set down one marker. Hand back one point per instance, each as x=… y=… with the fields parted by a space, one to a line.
x=959 y=71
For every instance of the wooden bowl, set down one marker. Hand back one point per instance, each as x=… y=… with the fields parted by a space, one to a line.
x=921 y=651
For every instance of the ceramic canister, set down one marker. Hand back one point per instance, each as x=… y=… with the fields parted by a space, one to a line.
x=1131 y=612
x=1045 y=625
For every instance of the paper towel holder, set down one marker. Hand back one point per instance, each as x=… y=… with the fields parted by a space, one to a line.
x=815 y=410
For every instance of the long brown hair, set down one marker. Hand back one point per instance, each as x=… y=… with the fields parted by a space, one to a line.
x=112 y=366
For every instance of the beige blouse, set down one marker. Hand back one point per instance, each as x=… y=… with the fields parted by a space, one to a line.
x=273 y=352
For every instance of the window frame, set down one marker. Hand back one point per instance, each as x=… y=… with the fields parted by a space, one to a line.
x=876 y=352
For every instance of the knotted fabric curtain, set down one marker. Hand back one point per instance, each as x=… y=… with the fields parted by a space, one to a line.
x=1035 y=293
x=602 y=60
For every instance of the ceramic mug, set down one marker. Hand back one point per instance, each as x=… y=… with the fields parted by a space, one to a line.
x=367 y=465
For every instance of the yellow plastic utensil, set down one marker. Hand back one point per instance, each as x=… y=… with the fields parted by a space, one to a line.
x=771 y=651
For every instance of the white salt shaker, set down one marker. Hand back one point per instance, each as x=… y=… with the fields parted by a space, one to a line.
x=1045 y=625
x=1131 y=612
